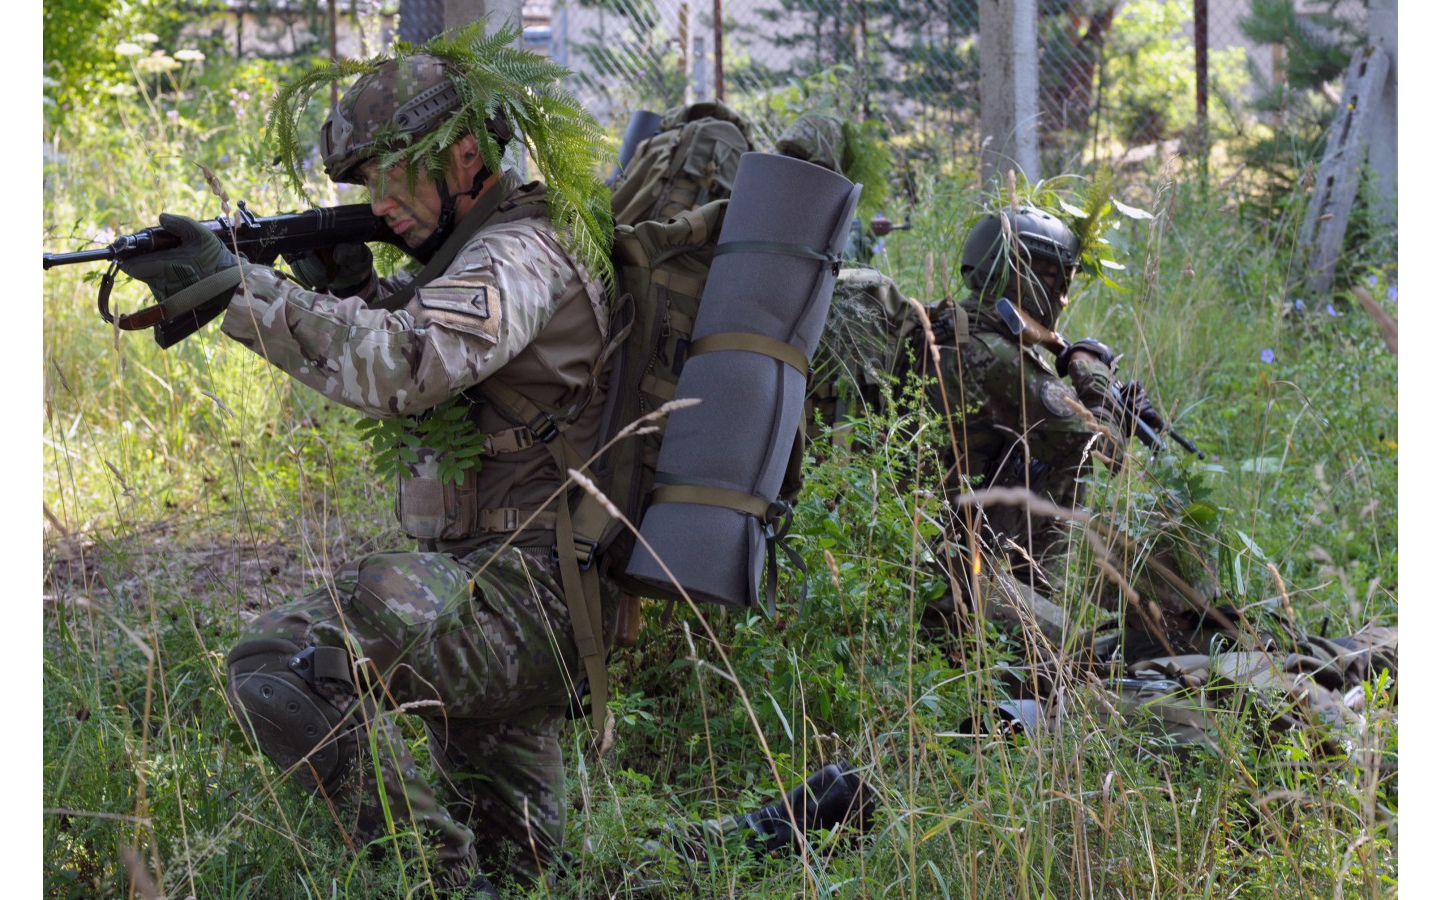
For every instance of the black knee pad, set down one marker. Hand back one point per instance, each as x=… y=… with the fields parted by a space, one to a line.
x=272 y=691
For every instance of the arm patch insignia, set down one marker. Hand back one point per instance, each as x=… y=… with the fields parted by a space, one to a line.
x=464 y=302
x=1060 y=401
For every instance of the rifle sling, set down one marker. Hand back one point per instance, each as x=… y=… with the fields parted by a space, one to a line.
x=183 y=301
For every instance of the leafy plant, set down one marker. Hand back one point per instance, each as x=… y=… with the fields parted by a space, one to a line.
x=446 y=430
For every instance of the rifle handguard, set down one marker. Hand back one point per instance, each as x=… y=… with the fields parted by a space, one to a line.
x=1089 y=345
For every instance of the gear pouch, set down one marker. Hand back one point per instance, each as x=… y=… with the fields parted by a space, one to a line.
x=431 y=509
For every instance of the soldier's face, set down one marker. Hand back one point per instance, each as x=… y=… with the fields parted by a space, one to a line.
x=412 y=214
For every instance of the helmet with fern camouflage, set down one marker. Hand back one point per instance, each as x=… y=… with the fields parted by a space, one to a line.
x=411 y=108
x=1029 y=243
x=389 y=108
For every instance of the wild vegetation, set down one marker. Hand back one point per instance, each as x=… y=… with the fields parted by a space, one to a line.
x=187 y=489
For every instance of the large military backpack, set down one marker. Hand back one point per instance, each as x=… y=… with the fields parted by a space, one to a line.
x=690 y=161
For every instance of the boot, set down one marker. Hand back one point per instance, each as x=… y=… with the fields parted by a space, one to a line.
x=833 y=796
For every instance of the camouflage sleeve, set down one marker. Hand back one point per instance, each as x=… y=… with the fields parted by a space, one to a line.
x=457 y=330
x=389 y=284
x=1021 y=395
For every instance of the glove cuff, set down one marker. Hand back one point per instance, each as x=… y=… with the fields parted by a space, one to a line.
x=1089 y=345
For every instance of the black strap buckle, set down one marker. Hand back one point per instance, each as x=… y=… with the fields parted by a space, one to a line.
x=543 y=427
x=585 y=553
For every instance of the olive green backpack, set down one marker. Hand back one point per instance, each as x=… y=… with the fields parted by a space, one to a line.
x=689 y=162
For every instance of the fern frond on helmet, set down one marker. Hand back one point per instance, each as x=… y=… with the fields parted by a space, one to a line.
x=409 y=107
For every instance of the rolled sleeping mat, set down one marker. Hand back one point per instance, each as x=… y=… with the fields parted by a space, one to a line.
x=760 y=320
x=642 y=125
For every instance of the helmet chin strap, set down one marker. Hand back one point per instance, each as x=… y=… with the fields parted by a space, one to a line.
x=446 y=224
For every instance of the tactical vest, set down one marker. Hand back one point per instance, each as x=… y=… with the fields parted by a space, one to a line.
x=544 y=391
x=541 y=415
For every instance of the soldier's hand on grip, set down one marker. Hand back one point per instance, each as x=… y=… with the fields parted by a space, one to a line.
x=1137 y=406
x=343 y=270
x=167 y=272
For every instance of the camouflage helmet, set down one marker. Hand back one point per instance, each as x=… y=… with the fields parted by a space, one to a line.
x=1037 y=235
x=388 y=108
x=815 y=137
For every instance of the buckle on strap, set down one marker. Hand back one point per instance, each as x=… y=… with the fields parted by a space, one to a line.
x=316 y=663
x=504 y=519
x=511 y=440
x=543 y=427
x=585 y=553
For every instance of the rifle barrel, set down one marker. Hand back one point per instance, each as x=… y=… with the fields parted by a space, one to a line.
x=83 y=256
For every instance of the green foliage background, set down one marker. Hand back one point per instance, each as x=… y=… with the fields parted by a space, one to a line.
x=188 y=489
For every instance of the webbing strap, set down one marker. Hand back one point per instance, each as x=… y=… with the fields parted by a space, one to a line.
x=709 y=495
x=332 y=663
x=505 y=519
x=788 y=354
x=581 y=586
x=781 y=247
x=777 y=529
x=184 y=300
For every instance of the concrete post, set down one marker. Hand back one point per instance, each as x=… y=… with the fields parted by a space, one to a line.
x=1384 y=139
x=1009 y=89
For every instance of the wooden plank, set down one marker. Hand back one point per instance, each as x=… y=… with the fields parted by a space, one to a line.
x=1338 y=179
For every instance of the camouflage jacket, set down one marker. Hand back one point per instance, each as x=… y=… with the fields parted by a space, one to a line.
x=513 y=316
x=1016 y=422
x=1011 y=398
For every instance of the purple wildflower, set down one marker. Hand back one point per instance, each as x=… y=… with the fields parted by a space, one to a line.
x=1267 y=355
x=1299 y=305
x=1373 y=280
x=1394 y=292
x=1330 y=308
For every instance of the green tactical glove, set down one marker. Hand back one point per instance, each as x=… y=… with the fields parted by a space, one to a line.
x=1136 y=405
x=344 y=270
x=168 y=272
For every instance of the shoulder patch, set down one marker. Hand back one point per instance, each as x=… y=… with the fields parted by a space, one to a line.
x=1060 y=401
x=467 y=301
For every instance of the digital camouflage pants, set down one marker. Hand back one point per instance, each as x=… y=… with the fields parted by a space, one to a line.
x=478 y=648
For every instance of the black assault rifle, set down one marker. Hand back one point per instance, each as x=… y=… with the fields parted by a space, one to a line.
x=260 y=239
x=1030 y=332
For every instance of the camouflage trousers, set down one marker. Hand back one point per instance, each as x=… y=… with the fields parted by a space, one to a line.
x=480 y=650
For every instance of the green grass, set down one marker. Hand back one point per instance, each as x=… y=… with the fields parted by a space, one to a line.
x=190 y=488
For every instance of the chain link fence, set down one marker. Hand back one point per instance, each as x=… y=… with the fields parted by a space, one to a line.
x=1116 y=77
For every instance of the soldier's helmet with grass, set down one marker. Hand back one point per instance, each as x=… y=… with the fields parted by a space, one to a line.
x=1025 y=254
x=408 y=108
